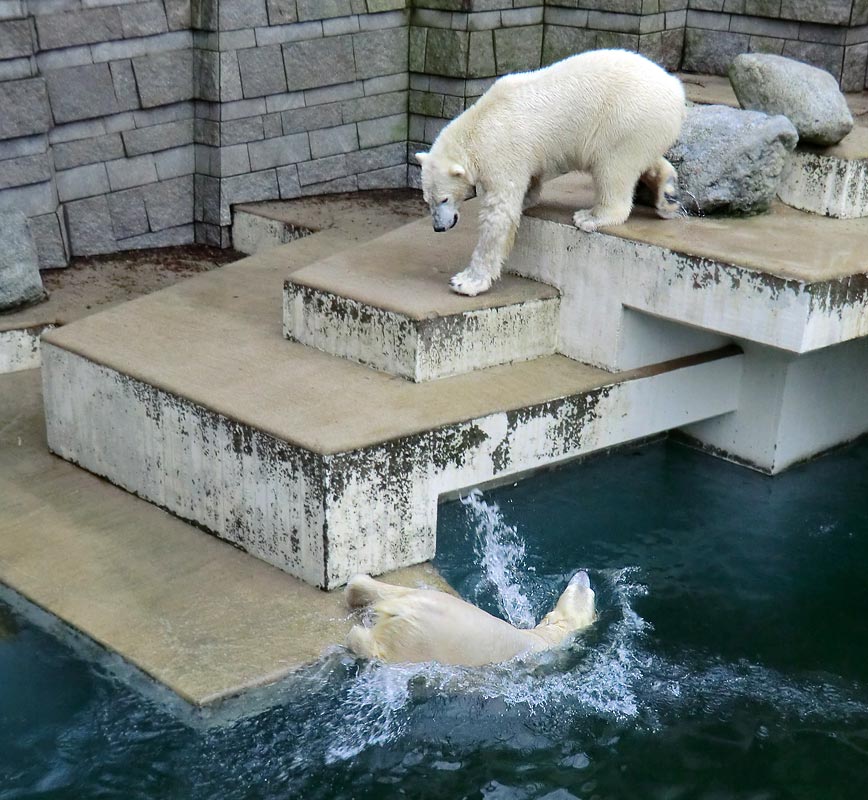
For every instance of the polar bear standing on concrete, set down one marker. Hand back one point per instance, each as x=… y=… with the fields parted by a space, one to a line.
x=414 y=625
x=608 y=112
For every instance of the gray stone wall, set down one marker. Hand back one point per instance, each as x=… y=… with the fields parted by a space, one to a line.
x=139 y=123
x=831 y=34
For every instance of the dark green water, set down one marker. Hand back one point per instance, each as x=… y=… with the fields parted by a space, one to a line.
x=730 y=660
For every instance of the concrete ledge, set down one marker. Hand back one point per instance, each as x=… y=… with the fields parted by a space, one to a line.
x=831 y=181
x=387 y=305
x=786 y=279
x=19 y=348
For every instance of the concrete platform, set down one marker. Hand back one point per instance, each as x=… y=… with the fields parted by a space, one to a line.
x=385 y=305
x=790 y=288
x=190 y=611
x=311 y=462
x=832 y=181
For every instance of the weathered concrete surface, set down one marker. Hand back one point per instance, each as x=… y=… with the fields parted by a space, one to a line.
x=832 y=181
x=386 y=305
x=19 y=348
x=786 y=279
x=790 y=288
x=189 y=610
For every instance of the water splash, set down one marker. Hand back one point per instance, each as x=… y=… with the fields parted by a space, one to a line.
x=501 y=553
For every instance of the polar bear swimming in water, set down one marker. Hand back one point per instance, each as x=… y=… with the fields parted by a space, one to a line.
x=415 y=625
x=608 y=112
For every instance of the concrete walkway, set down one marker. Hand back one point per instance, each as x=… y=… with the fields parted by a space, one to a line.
x=193 y=612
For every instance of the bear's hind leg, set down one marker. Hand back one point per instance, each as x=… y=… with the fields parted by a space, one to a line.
x=662 y=180
x=614 y=185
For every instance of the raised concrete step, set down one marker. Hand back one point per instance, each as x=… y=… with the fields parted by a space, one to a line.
x=192 y=399
x=387 y=305
x=832 y=181
x=790 y=288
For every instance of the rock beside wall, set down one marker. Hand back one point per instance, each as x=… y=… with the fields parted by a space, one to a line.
x=20 y=282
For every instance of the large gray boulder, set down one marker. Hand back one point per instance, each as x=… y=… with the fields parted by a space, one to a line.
x=20 y=282
x=730 y=161
x=809 y=97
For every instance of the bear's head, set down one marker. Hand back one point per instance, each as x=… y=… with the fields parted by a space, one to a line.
x=575 y=610
x=444 y=186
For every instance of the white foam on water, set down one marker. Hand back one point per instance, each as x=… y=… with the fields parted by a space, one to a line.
x=501 y=553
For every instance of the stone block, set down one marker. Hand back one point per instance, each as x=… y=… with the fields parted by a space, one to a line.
x=337 y=186
x=281 y=12
x=242 y=108
x=48 y=238
x=176 y=162
x=313 y=118
x=318 y=62
x=381 y=52
x=26 y=146
x=322 y=170
x=128 y=214
x=480 y=58
x=16 y=38
x=32 y=200
x=240 y=131
x=446 y=52
x=144 y=19
x=169 y=203
x=12 y=9
x=164 y=77
x=272 y=126
x=178 y=14
x=125 y=85
x=25 y=170
x=20 y=282
x=664 y=48
x=712 y=51
x=82 y=93
x=829 y=12
x=322 y=9
x=518 y=49
x=766 y=44
x=387 y=83
x=85 y=26
x=234 y=14
x=230 y=77
x=233 y=160
x=128 y=172
x=206 y=75
x=14 y=69
x=418 y=42
x=247 y=189
x=89 y=225
x=374 y=158
x=287 y=179
x=378 y=6
x=331 y=141
x=262 y=71
x=855 y=66
x=386 y=178
x=427 y=103
x=381 y=105
x=561 y=42
x=277 y=152
x=284 y=102
x=334 y=94
x=825 y=56
x=375 y=132
x=158 y=137
x=25 y=108
x=79 y=182
x=340 y=25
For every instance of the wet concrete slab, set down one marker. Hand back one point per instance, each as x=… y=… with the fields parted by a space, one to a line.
x=191 y=611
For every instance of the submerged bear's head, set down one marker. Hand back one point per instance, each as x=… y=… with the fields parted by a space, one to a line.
x=576 y=608
x=444 y=186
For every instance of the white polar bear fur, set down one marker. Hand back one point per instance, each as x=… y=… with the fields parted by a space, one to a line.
x=608 y=112
x=416 y=625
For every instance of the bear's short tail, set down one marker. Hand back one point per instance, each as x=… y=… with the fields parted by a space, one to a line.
x=363 y=591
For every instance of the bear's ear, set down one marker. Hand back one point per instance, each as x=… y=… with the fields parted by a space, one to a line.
x=420 y=157
x=457 y=171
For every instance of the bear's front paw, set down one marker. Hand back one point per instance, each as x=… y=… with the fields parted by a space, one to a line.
x=471 y=282
x=584 y=220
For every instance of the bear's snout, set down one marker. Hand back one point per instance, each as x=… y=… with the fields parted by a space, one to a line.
x=441 y=227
